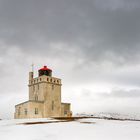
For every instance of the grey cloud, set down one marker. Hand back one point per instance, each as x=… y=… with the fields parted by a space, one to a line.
x=94 y=31
x=135 y=93
x=114 y=93
x=116 y=101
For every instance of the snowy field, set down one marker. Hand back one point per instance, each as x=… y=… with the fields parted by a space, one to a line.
x=83 y=129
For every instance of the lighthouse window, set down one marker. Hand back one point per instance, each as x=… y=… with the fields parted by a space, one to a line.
x=19 y=111
x=52 y=105
x=33 y=88
x=36 y=110
x=52 y=87
x=25 y=111
x=36 y=98
x=65 y=112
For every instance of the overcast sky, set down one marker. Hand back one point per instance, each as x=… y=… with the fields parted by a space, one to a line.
x=92 y=45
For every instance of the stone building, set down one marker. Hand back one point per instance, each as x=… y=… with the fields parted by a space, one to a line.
x=44 y=97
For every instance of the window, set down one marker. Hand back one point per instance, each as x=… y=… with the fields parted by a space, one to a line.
x=47 y=79
x=36 y=110
x=65 y=112
x=52 y=105
x=25 y=111
x=51 y=80
x=57 y=81
x=52 y=87
x=19 y=111
x=36 y=97
x=38 y=86
x=40 y=79
x=33 y=88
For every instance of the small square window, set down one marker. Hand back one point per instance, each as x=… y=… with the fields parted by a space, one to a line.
x=19 y=111
x=25 y=111
x=52 y=105
x=33 y=88
x=36 y=97
x=36 y=110
x=52 y=87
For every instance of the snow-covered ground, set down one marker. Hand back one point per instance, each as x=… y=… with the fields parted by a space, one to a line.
x=111 y=115
x=77 y=130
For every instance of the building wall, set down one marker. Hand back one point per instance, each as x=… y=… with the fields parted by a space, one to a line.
x=20 y=110
x=52 y=104
x=29 y=109
x=65 y=110
x=47 y=89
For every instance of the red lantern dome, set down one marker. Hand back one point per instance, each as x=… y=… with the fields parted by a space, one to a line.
x=45 y=71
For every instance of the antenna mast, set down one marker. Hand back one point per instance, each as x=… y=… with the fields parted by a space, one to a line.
x=32 y=67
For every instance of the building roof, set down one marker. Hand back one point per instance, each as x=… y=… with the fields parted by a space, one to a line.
x=28 y=102
x=45 y=68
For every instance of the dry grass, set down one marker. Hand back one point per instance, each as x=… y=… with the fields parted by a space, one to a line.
x=58 y=120
x=70 y=119
x=31 y=123
x=88 y=122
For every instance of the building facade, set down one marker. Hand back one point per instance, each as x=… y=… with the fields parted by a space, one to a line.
x=44 y=97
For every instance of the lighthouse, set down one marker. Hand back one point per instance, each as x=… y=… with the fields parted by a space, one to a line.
x=44 y=97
